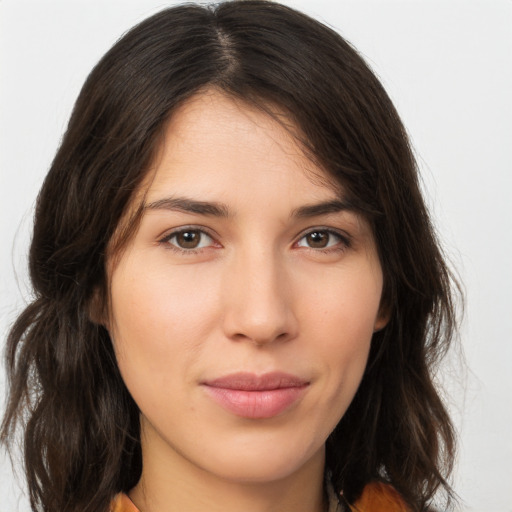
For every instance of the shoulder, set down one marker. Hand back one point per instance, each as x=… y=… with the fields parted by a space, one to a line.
x=122 y=503
x=377 y=497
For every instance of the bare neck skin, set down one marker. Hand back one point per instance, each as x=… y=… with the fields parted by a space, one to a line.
x=170 y=483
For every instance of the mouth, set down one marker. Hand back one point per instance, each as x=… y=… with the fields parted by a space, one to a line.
x=256 y=396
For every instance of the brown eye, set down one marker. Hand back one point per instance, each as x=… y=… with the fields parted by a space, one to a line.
x=322 y=239
x=317 y=239
x=190 y=239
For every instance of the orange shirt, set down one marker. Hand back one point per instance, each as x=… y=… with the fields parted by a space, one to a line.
x=379 y=497
x=376 y=497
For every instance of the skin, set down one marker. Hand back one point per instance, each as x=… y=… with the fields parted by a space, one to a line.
x=257 y=294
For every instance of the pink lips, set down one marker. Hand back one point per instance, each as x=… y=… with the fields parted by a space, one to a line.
x=257 y=397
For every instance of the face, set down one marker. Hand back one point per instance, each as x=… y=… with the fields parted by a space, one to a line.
x=243 y=308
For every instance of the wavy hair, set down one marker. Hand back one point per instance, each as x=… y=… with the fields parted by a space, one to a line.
x=80 y=426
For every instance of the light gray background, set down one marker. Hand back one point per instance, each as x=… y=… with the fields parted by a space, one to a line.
x=447 y=66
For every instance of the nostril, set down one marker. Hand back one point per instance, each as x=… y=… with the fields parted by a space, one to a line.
x=270 y=338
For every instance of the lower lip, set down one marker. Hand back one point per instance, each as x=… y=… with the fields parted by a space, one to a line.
x=256 y=404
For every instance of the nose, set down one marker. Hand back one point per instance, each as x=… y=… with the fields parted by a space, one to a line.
x=259 y=303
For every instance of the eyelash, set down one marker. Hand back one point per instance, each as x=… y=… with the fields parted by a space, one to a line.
x=343 y=243
x=186 y=229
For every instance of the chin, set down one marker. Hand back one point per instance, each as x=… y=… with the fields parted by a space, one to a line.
x=263 y=464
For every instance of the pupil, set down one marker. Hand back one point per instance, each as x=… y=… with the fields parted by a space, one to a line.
x=188 y=239
x=318 y=239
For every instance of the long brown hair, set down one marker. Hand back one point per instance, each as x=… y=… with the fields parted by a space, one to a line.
x=80 y=425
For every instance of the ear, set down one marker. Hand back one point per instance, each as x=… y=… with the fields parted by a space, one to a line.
x=383 y=317
x=98 y=308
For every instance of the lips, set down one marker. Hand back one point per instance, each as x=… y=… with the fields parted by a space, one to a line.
x=256 y=396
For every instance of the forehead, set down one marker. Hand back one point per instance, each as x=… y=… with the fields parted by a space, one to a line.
x=216 y=144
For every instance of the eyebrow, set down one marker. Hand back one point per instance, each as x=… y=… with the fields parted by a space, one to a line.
x=323 y=208
x=215 y=209
x=187 y=205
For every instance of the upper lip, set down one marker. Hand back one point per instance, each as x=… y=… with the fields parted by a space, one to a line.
x=246 y=381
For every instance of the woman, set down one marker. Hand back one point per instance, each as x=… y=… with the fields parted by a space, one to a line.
x=239 y=299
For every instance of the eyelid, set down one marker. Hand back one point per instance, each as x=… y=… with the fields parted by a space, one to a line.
x=345 y=238
x=164 y=240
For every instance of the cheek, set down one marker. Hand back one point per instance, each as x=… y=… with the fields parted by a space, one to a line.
x=158 y=322
x=344 y=304
x=342 y=320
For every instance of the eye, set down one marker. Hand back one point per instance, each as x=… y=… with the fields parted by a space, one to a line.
x=322 y=239
x=189 y=239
